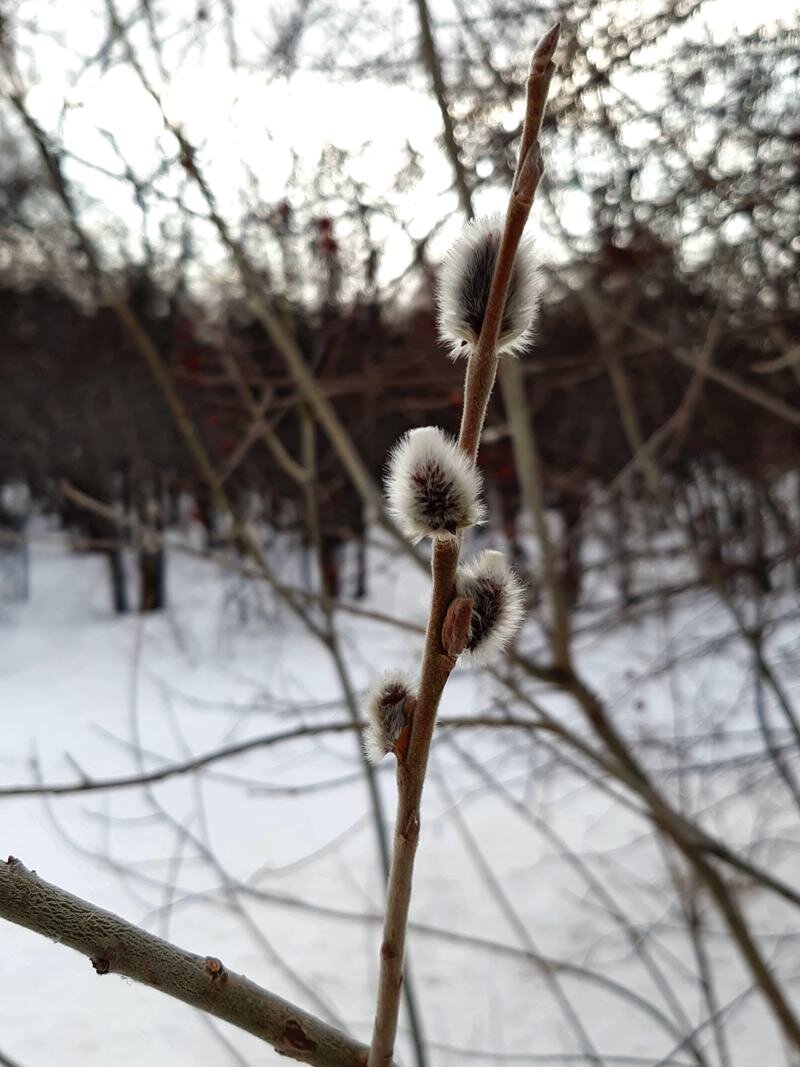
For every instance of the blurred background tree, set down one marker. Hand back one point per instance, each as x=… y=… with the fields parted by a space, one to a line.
x=667 y=227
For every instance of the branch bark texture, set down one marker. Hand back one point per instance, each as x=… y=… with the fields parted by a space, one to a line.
x=115 y=946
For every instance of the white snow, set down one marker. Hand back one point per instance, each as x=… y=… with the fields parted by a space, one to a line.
x=226 y=663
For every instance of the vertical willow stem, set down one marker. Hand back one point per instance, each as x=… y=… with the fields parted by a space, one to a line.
x=436 y=664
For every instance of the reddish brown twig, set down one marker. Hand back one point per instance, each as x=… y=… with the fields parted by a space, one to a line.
x=436 y=663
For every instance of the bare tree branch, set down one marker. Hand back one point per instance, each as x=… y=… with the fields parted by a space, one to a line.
x=225 y=752
x=115 y=946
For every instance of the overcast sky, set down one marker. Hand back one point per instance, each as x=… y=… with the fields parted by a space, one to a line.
x=241 y=115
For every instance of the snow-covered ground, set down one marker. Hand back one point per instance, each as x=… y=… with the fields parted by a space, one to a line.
x=269 y=861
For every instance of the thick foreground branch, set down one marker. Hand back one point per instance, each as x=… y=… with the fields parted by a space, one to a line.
x=115 y=946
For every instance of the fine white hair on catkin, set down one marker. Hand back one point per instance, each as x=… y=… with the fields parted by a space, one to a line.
x=463 y=292
x=498 y=604
x=385 y=710
x=433 y=489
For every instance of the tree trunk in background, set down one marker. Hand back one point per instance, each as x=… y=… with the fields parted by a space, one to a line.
x=119 y=584
x=571 y=507
x=152 y=558
x=152 y=591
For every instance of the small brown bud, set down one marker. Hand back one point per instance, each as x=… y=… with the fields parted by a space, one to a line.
x=214 y=967
x=457 y=622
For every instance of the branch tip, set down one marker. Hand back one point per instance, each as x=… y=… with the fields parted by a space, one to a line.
x=544 y=50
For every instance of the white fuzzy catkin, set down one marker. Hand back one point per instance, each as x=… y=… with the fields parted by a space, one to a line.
x=433 y=488
x=498 y=598
x=386 y=715
x=464 y=282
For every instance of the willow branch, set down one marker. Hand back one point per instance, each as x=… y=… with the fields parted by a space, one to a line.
x=436 y=664
x=115 y=946
x=512 y=384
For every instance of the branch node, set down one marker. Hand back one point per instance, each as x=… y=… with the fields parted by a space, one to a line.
x=410 y=831
x=295 y=1039
x=457 y=622
x=213 y=967
x=544 y=50
x=404 y=740
x=387 y=952
x=445 y=663
x=530 y=174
